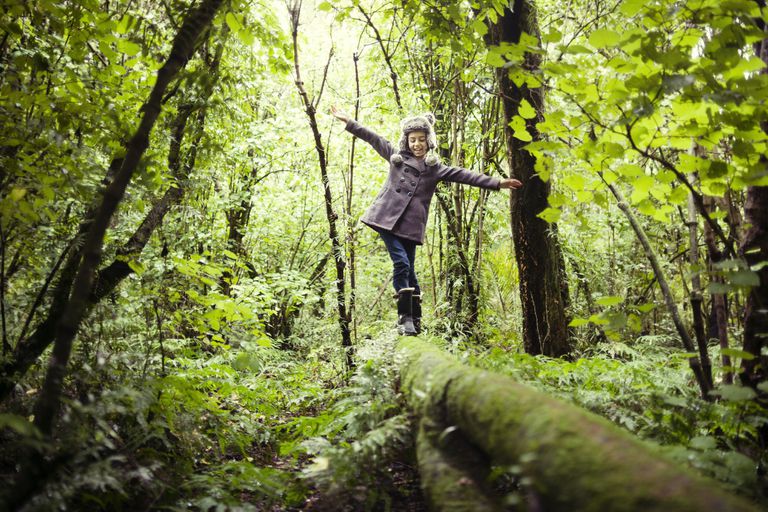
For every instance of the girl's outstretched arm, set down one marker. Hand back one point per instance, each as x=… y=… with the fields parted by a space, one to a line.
x=382 y=146
x=339 y=114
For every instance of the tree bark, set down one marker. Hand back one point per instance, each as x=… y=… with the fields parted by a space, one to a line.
x=693 y=361
x=452 y=472
x=754 y=248
x=48 y=403
x=715 y=255
x=543 y=285
x=336 y=246
x=29 y=349
x=696 y=294
x=575 y=460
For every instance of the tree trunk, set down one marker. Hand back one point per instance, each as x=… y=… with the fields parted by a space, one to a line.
x=48 y=403
x=336 y=246
x=29 y=349
x=693 y=361
x=696 y=295
x=755 y=251
x=453 y=473
x=575 y=460
x=543 y=285
x=719 y=309
x=754 y=248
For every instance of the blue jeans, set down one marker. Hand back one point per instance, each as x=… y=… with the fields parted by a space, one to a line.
x=403 y=254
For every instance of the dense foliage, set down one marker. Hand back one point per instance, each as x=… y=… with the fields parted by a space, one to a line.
x=208 y=371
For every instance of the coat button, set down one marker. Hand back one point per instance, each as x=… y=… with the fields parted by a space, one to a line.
x=417 y=174
x=397 y=190
x=413 y=183
x=406 y=171
x=402 y=180
x=410 y=194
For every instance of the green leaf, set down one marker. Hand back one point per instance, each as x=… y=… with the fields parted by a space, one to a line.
x=480 y=27
x=609 y=301
x=19 y=424
x=519 y=130
x=18 y=193
x=602 y=38
x=578 y=322
x=526 y=110
x=495 y=59
x=232 y=22
x=550 y=215
x=325 y=6
x=630 y=170
x=734 y=393
x=703 y=443
x=631 y=7
x=641 y=188
x=744 y=277
x=734 y=352
x=553 y=36
x=647 y=307
x=128 y=47
x=136 y=266
x=246 y=36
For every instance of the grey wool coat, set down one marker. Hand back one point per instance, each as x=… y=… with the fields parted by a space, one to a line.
x=402 y=206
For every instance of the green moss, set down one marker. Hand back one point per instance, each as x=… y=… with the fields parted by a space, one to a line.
x=573 y=459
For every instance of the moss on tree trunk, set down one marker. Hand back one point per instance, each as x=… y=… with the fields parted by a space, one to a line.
x=574 y=459
x=453 y=473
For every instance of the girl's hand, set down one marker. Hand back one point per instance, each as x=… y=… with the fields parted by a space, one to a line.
x=510 y=183
x=338 y=114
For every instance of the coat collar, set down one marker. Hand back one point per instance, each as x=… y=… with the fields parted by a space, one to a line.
x=412 y=161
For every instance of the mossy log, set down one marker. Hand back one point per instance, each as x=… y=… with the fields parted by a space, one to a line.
x=453 y=473
x=573 y=459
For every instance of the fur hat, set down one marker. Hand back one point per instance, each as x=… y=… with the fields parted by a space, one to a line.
x=422 y=123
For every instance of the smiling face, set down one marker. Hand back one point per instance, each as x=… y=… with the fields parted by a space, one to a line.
x=417 y=143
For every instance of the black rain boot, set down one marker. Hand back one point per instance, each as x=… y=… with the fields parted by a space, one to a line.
x=404 y=312
x=416 y=312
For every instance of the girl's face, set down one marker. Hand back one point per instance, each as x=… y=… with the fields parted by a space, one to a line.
x=417 y=143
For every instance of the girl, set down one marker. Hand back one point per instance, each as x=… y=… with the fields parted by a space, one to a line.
x=399 y=213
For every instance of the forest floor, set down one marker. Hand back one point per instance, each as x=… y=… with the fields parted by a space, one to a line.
x=254 y=428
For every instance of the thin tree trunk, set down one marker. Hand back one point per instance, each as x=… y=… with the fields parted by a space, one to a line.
x=336 y=246
x=718 y=300
x=387 y=57
x=48 y=403
x=696 y=297
x=669 y=300
x=351 y=238
x=543 y=285
x=28 y=350
x=6 y=344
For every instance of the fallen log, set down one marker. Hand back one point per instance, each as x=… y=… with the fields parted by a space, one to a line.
x=573 y=460
x=453 y=473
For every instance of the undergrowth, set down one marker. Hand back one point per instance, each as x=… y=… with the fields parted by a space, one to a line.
x=361 y=449
x=647 y=388
x=246 y=427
